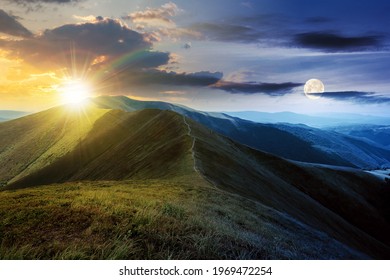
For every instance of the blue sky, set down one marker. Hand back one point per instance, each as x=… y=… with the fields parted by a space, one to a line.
x=210 y=55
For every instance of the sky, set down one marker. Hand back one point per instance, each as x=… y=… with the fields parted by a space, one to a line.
x=213 y=55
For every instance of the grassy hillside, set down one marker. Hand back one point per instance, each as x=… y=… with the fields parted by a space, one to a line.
x=154 y=184
x=30 y=143
x=350 y=206
x=120 y=145
x=152 y=219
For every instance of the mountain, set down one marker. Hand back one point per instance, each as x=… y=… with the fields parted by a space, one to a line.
x=118 y=146
x=155 y=159
x=379 y=134
x=32 y=142
x=319 y=120
x=360 y=152
x=9 y=115
x=295 y=142
x=265 y=177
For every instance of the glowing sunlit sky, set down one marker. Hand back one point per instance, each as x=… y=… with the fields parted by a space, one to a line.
x=213 y=55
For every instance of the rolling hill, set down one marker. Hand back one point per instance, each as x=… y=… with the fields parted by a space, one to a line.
x=295 y=142
x=378 y=134
x=32 y=142
x=318 y=121
x=159 y=180
x=143 y=144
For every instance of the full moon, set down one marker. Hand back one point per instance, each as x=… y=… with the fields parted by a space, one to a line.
x=314 y=88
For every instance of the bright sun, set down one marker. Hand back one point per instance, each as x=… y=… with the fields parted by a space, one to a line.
x=74 y=92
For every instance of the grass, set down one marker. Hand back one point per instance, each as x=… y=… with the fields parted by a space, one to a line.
x=151 y=219
x=35 y=141
x=174 y=213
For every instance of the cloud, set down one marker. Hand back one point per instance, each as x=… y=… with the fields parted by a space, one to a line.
x=24 y=2
x=331 y=42
x=247 y=5
x=90 y=18
x=318 y=20
x=174 y=92
x=272 y=89
x=157 y=77
x=155 y=16
x=357 y=97
x=228 y=32
x=36 y=5
x=153 y=80
x=9 y=25
x=158 y=23
x=99 y=42
x=287 y=31
x=113 y=56
x=259 y=28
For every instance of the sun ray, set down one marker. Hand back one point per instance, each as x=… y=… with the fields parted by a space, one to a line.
x=74 y=92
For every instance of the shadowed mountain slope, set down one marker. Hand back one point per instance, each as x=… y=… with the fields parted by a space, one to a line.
x=350 y=206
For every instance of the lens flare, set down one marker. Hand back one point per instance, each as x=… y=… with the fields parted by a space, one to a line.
x=75 y=92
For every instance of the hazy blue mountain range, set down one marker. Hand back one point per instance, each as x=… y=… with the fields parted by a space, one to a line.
x=379 y=134
x=320 y=120
x=6 y=115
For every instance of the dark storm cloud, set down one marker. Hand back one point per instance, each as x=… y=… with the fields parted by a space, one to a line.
x=331 y=42
x=290 y=30
x=272 y=89
x=279 y=31
x=156 y=77
x=9 y=25
x=357 y=97
x=98 y=42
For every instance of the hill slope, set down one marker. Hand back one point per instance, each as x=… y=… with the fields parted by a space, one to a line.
x=348 y=205
x=30 y=143
x=144 y=144
x=164 y=148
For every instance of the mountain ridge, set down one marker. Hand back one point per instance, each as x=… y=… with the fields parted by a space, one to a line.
x=162 y=145
x=314 y=120
x=267 y=137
